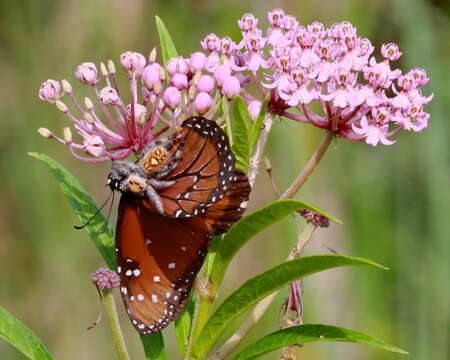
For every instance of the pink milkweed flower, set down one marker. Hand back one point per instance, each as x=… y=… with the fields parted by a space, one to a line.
x=373 y=134
x=202 y=103
x=86 y=73
x=50 y=91
x=132 y=62
x=248 y=22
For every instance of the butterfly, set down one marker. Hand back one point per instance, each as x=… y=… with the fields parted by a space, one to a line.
x=180 y=192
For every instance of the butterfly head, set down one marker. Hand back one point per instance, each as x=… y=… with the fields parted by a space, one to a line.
x=119 y=175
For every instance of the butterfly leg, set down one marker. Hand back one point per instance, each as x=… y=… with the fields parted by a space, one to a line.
x=153 y=196
x=160 y=184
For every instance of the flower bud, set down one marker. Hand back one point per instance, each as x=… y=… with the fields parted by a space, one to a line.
x=109 y=96
x=103 y=69
x=151 y=74
x=132 y=62
x=88 y=103
x=139 y=110
x=231 y=87
x=88 y=117
x=61 y=106
x=202 y=102
x=67 y=134
x=254 y=108
x=197 y=62
x=66 y=86
x=152 y=56
x=172 y=97
x=222 y=73
x=45 y=132
x=180 y=81
x=86 y=73
x=205 y=83
x=105 y=279
x=177 y=65
x=248 y=22
x=111 y=67
x=50 y=91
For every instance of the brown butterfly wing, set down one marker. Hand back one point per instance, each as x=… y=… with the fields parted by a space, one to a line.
x=205 y=170
x=158 y=258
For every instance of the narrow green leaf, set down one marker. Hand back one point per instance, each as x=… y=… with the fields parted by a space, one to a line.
x=241 y=133
x=183 y=323
x=168 y=49
x=257 y=126
x=98 y=229
x=153 y=346
x=258 y=287
x=21 y=337
x=310 y=333
x=237 y=236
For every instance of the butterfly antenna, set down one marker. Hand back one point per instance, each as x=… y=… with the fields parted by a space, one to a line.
x=79 y=227
x=96 y=322
x=109 y=213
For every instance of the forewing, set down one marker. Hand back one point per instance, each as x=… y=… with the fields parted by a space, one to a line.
x=158 y=258
x=204 y=172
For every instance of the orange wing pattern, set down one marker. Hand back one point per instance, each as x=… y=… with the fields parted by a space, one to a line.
x=204 y=171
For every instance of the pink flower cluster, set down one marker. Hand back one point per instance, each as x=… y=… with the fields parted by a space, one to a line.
x=105 y=279
x=160 y=98
x=292 y=65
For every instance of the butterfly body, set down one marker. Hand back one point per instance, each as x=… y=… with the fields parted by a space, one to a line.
x=175 y=198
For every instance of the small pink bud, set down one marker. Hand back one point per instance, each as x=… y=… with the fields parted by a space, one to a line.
x=139 y=110
x=202 y=102
x=197 y=62
x=172 y=97
x=231 y=87
x=50 y=91
x=66 y=86
x=254 y=108
x=390 y=51
x=151 y=75
x=93 y=144
x=132 y=62
x=210 y=42
x=109 y=96
x=88 y=118
x=180 y=81
x=45 y=132
x=205 y=83
x=222 y=73
x=177 y=65
x=86 y=73
x=105 y=279
x=67 y=134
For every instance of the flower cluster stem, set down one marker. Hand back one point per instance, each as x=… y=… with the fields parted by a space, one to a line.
x=309 y=168
x=108 y=300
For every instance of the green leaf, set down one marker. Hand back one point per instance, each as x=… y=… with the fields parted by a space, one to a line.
x=21 y=337
x=258 y=287
x=167 y=46
x=183 y=323
x=241 y=133
x=153 y=346
x=310 y=333
x=237 y=236
x=257 y=126
x=98 y=229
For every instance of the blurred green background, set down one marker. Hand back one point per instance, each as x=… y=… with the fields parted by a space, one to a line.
x=393 y=200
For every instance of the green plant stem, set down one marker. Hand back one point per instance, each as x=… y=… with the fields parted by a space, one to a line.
x=309 y=167
x=108 y=300
x=261 y=308
x=303 y=239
